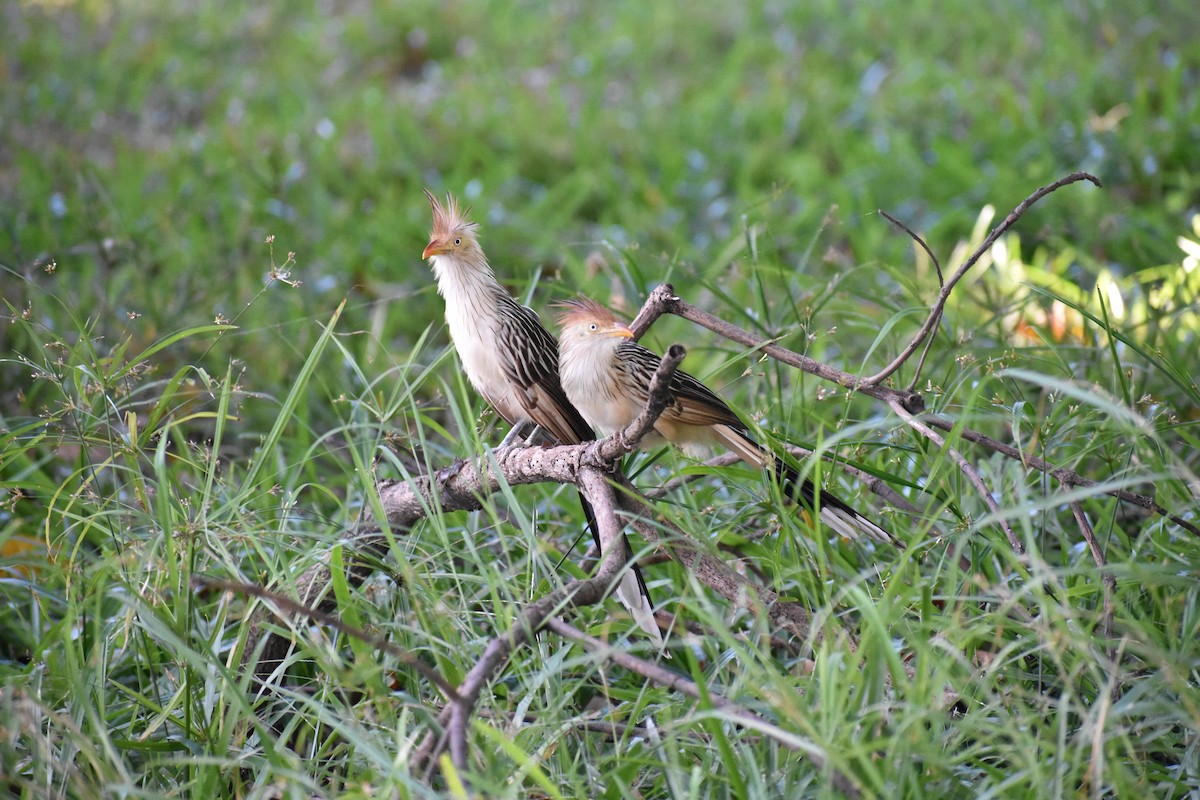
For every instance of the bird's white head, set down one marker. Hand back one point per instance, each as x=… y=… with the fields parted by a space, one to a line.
x=588 y=359
x=453 y=234
x=584 y=320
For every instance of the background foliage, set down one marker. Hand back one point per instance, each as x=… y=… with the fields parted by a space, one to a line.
x=179 y=394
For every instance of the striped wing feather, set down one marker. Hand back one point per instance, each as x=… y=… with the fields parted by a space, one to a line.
x=696 y=404
x=693 y=403
x=531 y=362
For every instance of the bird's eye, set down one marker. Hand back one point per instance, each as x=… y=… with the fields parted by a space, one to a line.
x=593 y=327
x=457 y=241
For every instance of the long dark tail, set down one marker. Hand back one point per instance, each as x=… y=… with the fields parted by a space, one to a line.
x=834 y=512
x=632 y=590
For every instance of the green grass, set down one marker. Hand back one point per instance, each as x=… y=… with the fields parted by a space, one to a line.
x=180 y=395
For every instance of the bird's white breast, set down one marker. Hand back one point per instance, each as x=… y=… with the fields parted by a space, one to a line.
x=586 y=369
x=472 y=319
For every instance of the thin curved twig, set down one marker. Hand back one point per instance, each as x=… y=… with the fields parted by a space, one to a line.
x=937 y=266
x=939 y=305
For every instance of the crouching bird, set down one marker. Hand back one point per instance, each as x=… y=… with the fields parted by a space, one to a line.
x=606 y=375
x=512 y=360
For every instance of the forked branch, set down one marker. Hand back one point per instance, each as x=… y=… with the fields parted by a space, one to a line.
x=939 y=304
x=907 y=403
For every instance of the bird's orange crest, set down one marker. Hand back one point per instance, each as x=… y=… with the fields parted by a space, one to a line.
x=584 y=310
x=448 y=218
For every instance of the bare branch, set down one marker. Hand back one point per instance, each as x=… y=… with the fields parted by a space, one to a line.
x=936 y=264
x=599 y=493
x=675 y=681
x=663 y=300
x=935 y=314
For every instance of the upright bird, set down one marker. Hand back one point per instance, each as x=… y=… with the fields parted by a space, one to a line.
x=512 y=360
x=607 y=376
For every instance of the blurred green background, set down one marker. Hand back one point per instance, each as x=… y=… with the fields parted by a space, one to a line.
x=148 y=149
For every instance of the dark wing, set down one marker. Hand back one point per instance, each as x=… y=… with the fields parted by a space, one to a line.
x=696 y=404
x=693 y=403
x=530 y=360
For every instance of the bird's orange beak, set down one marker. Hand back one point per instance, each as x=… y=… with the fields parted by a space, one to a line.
x=435 y=248
x=621 y=331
